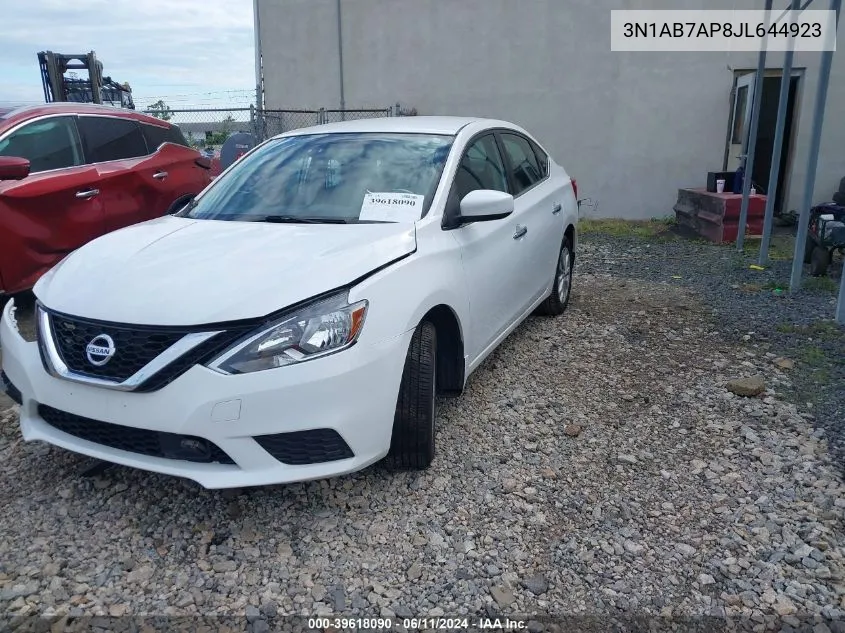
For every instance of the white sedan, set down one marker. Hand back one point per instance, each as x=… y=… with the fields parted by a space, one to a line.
x=298 y=318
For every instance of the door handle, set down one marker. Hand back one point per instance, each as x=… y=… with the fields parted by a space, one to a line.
x=160 y=175
x=556 y=209
x=520 y=232
x=90 y=193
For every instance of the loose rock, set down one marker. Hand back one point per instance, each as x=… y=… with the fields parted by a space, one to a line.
x=748 y=387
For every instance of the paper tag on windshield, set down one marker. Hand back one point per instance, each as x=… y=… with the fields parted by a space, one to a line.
x=392 y=207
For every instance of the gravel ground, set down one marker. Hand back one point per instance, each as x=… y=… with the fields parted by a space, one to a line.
x=749 y=307
x=597 y=465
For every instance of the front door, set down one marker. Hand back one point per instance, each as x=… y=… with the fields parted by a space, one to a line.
x=53 y=211
x=492 y=252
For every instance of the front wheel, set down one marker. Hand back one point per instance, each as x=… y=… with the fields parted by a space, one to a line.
x=556 y=303
x=412 y=442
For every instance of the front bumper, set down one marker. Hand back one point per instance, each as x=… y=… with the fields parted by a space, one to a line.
x=352 y=393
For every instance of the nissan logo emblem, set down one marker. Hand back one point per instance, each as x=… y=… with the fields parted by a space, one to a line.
x=100 y=350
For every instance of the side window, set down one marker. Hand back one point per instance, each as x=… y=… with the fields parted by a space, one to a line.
x=481 y=168
x=109 y=138
x=542 y=160
x=155 y=135
x=49 y=144
x=523 y=163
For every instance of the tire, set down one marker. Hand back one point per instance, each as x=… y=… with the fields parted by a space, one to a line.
x=412 y=441
x=819 y=262
x=839 y=198
x=809 y=247
x=556 y=302
x=178 y=204
x=842 y=186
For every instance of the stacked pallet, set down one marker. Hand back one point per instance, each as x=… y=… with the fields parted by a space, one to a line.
x=715 y=216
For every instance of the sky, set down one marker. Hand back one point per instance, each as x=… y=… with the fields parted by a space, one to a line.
x=190 y=53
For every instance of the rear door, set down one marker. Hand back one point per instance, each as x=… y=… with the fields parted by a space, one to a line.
x=115 y=146
x=170 y=171
x=540 y=203
x=54 y=210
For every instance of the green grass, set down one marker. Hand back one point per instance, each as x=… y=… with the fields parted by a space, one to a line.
x=820 y=361
x=813 y=356
x=816 y=360
x=627 y=228
x=820 y=284
x=775 y=285
x=781 y=247
x=825 y=330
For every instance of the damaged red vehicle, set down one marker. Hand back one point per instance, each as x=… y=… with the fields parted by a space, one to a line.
x=71 y=172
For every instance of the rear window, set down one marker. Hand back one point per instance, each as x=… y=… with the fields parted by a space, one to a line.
x=542 y=159
x=523 y=162
x=155 y=135
x=111 y=138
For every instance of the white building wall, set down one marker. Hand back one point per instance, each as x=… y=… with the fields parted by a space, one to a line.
x=631 y=127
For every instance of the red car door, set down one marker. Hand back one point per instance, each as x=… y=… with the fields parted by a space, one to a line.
x=116 y=147
x=51 y=212
x=173 y=172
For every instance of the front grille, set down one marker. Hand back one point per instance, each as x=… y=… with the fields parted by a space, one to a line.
x=306 y=447
x=13 y=392
x=141 y=441
x=200 y=354
x=134 y=346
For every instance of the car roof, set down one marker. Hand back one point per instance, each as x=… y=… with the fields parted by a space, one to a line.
x=16 y=114
x=449 y=125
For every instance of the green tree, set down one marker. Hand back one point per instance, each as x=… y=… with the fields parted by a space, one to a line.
x=227 y=125
x=160 y=110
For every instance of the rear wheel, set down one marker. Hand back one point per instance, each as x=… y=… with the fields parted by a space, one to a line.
x=819 y=261
x=412 y=442
x=809 y=247
x=556 y=303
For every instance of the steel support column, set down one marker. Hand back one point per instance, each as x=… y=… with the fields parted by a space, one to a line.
x=812 y=163
x=840 y=303
x=774 y=172
x=752 y=138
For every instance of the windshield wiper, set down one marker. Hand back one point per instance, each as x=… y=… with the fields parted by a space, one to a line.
x=292 y=219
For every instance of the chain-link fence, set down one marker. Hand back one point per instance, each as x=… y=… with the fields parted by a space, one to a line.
x=271 y=122
x=208 y=128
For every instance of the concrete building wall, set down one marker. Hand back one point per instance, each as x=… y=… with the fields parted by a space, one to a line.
x=631 y=127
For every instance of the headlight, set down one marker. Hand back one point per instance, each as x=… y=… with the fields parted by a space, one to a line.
x=317 y=329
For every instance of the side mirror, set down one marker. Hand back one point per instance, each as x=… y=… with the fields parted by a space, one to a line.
x=485 y=204
x=13 y=168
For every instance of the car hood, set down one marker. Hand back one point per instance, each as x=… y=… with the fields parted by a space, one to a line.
x=178 y=271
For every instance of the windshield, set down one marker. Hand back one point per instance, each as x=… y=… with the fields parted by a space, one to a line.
x=331 y=177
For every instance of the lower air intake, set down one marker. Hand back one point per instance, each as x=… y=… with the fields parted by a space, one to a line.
x=133 y=440
x=306 y=447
